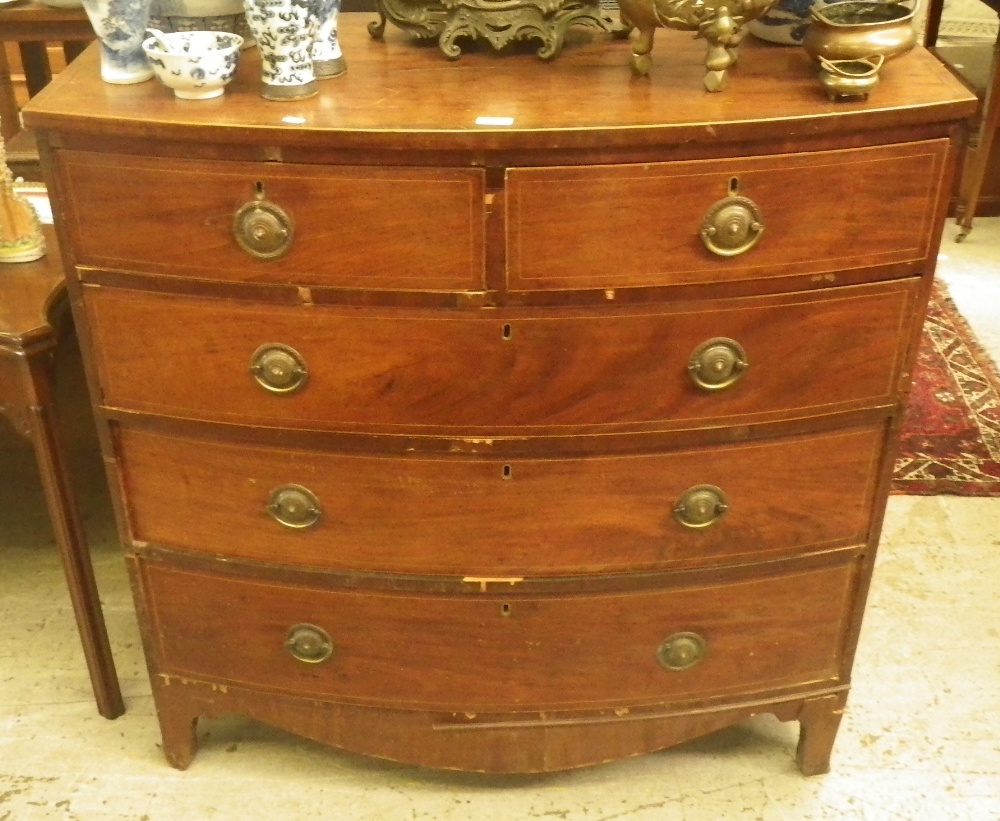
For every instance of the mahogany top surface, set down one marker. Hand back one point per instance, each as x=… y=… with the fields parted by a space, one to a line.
x=27 y=292
x=29 y=20
x=398 y=94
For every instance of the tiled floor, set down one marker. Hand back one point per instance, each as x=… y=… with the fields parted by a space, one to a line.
x=921 y=738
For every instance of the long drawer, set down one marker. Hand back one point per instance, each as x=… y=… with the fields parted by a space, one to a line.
x=484 y=652
x=525 y=517
x=501 y=372
x=424 y=228
x=642 y=224
x=362 y=227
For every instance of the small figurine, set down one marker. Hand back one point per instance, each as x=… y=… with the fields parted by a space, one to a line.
x=21 y=238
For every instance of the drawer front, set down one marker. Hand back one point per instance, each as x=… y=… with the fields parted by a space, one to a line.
x=641 y=224
x=476 y=517
x=493 y=372
x=352 y=227
x=484 y=652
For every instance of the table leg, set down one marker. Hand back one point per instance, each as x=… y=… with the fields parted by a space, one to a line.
x=979 y=148
x=61 y=501
x=35 y=61
x=25 y=399
x=73 y=49
x=10 y=124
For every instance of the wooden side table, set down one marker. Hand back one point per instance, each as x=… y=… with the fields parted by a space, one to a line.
x=28 y=294
x=982 y=138
x=33 y=26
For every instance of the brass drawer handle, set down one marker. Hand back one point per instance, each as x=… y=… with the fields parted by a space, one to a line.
x=262 y=229
x=681 y=651
x=701 y=506
x=294 y=506
x=279 y=368
x=717 y=363
x=308 y=643
x=732 y=226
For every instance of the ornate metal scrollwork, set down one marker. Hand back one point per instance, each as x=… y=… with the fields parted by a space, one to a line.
x=499 y=22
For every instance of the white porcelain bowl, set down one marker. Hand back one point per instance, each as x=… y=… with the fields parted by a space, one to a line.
x=198 y=65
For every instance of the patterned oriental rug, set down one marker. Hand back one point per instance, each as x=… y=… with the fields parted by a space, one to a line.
x=951 y=433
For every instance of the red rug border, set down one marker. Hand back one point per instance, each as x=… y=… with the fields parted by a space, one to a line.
x=947 y=487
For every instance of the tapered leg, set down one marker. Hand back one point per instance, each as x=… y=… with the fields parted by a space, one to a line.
x=178 y=724
x=77 y=567
x=819 y=721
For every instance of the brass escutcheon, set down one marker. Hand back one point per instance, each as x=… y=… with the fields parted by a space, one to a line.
x=278 y=368
x=701 y=506
x=732 y=226
x=717 y=363
x=308 y=643
x=294 y=506
x=262 y=229
x=681 y=651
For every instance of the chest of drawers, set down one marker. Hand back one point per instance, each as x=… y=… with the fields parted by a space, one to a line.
x=502 y=448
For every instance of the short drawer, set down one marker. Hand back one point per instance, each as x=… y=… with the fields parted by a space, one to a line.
x=353 y=227
x=495 y=373
x=501 y=652
x=635 y=225
x=465 y=517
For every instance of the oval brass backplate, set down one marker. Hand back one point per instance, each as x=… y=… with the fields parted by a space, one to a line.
x=279 y=368
x=700 y=506
x=717 y=363
x=294 y=506
x=263 y=229
x=732 y=226
x=681 y=651
x=308 y=643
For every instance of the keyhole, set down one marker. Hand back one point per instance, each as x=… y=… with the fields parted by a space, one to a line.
x=505 y=610
x=258 y=188
x=508 y=472
x=507 y=331
x=734 y=185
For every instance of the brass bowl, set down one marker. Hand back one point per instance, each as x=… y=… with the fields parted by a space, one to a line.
x=859 y=29
x=849 y=79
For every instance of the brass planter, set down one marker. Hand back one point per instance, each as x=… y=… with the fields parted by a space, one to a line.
x=849 y=79
x=860 y=29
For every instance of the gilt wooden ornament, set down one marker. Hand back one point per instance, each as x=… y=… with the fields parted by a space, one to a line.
x=21 y=237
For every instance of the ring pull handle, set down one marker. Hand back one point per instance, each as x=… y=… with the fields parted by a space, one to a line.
x=261 y=228
x=681 y=651
x=717 y=363
x=308 y=643
x=278 y=368
x=294 y=506
x=732 y=226
x=701 y=506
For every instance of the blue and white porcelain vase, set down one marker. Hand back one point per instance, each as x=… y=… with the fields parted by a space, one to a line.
x=785 y=22
x=120 y=25
x=285 y=31
x=327 y=56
